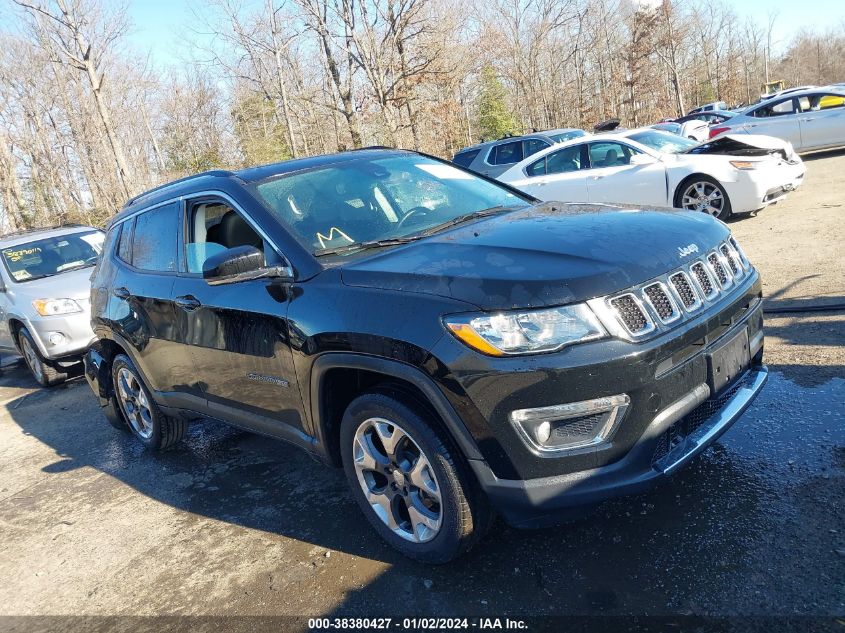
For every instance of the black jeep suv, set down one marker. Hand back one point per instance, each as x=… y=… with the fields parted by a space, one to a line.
x=456 y=346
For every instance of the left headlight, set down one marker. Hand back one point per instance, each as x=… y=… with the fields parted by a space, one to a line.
x=526 y=331
x=50 y=307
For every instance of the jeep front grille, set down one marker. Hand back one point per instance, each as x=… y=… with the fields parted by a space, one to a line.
x=659 y=299
x=718 y=269
x=705 y=282
x=686 y=293
x=632 y=314
x=665 y=300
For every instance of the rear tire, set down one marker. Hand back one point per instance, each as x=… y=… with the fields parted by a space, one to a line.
x=703 y=193
x=45 y=374
x=139 y=411
x=410 y=481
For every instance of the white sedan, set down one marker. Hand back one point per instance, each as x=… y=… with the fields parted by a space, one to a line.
x=731 y=174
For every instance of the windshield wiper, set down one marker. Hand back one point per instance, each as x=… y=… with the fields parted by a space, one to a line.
x=466 y=217
x=395 y=241
x=348 y=248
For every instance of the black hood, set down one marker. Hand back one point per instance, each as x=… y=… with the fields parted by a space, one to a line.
x=549 y=254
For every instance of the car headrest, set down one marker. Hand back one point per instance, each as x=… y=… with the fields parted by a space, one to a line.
x=610 y=158
x=234 y=231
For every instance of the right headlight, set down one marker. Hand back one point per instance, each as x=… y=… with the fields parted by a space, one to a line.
x=526 y=331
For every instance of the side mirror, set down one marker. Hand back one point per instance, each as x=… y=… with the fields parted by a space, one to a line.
x=642 y=159
x=241 y=263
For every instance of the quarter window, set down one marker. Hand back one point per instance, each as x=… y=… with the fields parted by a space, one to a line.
x=154 y=241
x=124 y=249
x=464 y=159
x=506 y=153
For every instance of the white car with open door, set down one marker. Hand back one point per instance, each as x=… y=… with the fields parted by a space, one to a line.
x=652 y=168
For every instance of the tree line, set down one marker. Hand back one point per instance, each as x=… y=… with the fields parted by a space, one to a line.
x=87 y=121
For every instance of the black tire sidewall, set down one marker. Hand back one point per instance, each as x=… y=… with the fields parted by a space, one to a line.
x=727 y=208
x=448 y=541
x=49 y=375
x=154 y=441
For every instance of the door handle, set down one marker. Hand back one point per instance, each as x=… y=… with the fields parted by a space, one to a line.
x=121 y=293
x=187 y=302
x=596 y=177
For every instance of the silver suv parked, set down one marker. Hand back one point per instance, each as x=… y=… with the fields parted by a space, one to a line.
x=494 y=158
x=44 y=297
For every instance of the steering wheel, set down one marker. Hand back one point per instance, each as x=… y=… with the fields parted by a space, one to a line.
x=417 y=212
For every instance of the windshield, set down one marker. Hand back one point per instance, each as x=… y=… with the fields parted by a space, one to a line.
x=663 y=141
x=368 y=200
x=52 y=255
x=565 y=136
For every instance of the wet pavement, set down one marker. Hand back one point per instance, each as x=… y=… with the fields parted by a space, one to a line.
x=755 y=526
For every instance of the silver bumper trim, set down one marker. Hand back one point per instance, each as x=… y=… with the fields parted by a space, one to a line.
x=697 y=441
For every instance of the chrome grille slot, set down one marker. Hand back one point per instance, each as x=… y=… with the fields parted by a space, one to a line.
x=684 y=291
x=718 y=269
x=745 y=263
x=658 y=298
x=733 y=259
x=705 y=282
x=631 y=314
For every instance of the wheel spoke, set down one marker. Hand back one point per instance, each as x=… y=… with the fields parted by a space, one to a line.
x=423 y=520
x=390 y=436
x=420 y=476
x=366 y=456
x=380 y=503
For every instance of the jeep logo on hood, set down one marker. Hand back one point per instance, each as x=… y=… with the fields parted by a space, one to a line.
x=689 y=249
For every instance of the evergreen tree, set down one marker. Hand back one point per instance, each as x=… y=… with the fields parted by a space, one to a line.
x=495 y=119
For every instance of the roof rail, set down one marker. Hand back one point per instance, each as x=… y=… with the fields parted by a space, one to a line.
x=361 y=149
x=143 y=194
x=37 y=229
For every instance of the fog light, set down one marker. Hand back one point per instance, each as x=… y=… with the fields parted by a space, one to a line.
x=544 y=431
x=56 y=338
x=552 y=430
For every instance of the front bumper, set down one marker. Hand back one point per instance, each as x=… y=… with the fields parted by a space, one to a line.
x=75 y=330
x=665 y=379
x=536 y=502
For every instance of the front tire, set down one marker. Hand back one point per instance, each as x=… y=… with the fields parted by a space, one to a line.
x=703 y=193
x=139 y=411
x=410 y=482
x=46 y=375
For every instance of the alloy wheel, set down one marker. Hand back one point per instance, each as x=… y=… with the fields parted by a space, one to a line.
x=133 y=401
x=397 y=480
x=32 y=359
x=703 y=196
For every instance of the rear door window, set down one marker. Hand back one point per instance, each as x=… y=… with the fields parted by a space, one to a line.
x=532 y=146
x=610 y=154
x=154 y=242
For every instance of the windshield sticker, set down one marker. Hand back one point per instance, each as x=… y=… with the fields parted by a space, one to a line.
x=444 y=172
x=334 y=234
x=17 y=255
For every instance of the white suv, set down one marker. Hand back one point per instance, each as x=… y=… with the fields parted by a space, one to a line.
x=44 y=297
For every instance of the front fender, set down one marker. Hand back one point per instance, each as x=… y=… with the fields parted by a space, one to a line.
x=391 y=369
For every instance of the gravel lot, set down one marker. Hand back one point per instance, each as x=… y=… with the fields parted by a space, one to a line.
x=232 y=523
